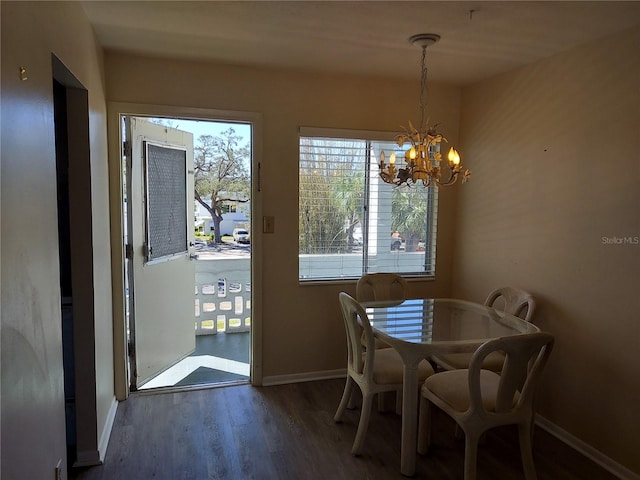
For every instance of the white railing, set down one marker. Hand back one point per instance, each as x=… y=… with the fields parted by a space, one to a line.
x=350 y=264
x=222 y=295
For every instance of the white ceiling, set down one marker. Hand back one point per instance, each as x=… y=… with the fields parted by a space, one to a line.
x=368 y=37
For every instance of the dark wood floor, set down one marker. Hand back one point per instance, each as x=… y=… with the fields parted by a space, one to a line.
x=287 y=432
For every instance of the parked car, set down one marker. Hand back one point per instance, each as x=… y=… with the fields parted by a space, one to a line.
x=240 y=235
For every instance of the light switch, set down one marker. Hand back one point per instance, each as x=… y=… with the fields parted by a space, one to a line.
x=268 y=224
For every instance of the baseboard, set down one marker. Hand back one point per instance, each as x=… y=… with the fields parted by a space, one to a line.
x=106 y=431
x=91 y=458
x=303 y=377
x=587 y=450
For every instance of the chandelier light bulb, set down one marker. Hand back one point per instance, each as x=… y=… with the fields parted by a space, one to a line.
x=454 y=157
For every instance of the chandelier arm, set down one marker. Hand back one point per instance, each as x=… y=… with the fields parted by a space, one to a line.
x=450 y=181
x=398 y=182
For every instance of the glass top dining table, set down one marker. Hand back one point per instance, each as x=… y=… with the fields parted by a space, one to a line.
x=418 y=328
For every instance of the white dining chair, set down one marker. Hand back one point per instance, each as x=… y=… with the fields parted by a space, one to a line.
x=479 y=400
x=382 y=286
x=507 y=299
x=514 y=301
x=373 y=370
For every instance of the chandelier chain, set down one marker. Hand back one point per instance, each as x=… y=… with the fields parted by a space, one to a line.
x=423 y=87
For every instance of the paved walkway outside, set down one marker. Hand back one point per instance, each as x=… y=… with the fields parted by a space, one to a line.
x=225 y=249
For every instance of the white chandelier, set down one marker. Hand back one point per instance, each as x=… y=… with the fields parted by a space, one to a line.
x=422 y=160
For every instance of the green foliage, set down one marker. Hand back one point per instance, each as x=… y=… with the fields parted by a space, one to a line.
x=221 y=173
x=321 y=229
x=330 y=200
x=409 y=214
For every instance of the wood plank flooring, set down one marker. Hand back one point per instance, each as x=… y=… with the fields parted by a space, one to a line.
x=287 y=432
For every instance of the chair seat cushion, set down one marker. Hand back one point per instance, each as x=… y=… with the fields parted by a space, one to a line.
x=451 y=361
x=452 y=387
x=388 y=367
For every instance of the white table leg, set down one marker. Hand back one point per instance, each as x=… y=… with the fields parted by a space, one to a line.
x=409 y=419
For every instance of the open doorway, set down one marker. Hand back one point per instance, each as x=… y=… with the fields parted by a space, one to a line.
x=187 y=276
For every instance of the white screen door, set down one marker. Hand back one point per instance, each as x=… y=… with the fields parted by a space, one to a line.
x=160 y=200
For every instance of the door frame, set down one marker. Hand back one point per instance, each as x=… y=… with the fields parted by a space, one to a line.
x=117 y=219
x=82 y=337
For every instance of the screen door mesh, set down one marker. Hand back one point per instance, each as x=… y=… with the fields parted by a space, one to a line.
x=166 y=201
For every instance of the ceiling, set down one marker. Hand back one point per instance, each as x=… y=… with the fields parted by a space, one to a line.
x=479 y=39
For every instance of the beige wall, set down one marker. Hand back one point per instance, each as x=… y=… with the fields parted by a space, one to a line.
x=33 y=429
x=302 y=327
x=554 y=148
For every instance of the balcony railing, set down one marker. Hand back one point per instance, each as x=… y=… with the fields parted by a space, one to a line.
x=222 y=296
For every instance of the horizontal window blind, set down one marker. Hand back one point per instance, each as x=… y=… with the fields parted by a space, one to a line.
x=350 y=221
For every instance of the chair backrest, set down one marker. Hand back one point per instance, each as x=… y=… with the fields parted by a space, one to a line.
x=525 y=358
x=381 y=286
x=357 y=326
x=514 y=301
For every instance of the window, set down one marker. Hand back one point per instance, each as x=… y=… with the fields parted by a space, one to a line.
x=351 y=222
x=229 y=207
